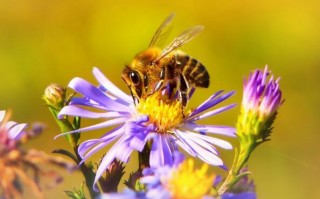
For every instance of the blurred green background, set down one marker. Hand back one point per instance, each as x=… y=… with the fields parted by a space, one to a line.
x=42 y=42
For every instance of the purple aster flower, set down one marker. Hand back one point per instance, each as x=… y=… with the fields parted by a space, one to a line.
x=155 y=118
x=180 y=180
x=173 y=181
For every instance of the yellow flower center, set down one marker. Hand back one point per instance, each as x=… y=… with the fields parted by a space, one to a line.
x=164 y=113
x=189 y=183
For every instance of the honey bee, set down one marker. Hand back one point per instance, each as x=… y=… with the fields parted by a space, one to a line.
x=154 y=68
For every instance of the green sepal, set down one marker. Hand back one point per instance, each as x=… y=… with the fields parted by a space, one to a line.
x=76 y=193
x=238 y=177
x=133 y=181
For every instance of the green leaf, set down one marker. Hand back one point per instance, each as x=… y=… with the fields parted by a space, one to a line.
x=66 y=153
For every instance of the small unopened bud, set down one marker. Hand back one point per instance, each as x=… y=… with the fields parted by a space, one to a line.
x=113 y=176
x=36 y=129
x=54 y=96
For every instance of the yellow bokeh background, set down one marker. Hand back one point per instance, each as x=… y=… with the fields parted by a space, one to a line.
x=42 y=42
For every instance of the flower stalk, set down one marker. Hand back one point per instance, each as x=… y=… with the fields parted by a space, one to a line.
x=144 y=157
x=240 y=159
x=55 y=98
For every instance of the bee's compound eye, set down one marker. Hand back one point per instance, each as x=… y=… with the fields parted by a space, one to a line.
x=135 y=78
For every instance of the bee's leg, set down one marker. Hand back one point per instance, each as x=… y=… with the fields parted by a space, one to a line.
x=158 y=85
x=161 y=80
x=183 y=90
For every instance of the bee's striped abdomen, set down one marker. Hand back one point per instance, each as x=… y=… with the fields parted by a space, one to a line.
x=194 y=72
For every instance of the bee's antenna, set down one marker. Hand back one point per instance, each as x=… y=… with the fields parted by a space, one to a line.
x=135 y=100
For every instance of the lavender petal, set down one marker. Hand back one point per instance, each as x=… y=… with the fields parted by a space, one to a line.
x=205 y=155
x=203 y=143
x=89 y=147
x=216 y=129
x=80 y=112
x=87 y=89
x=96 y=126
x=210 y=113
x=2 y=114
x=212 y=101
x=200 y=107
x=161 y=153
x=106 y=83
x=215 y=141
x=124 y=150
x=16 y=131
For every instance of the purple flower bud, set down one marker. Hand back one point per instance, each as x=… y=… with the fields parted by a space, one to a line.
x=261 y=100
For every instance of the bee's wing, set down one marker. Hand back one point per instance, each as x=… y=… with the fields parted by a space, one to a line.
x=183 y=38
x=161 y=30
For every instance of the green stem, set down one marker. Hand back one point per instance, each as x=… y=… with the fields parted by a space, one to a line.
x=86 y=170
x=240 y=159
x=88 y=174
x=144 y=157
x=65 y=126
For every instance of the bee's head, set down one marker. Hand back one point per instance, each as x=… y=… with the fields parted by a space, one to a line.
x=137 y=73
x=135 y=80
